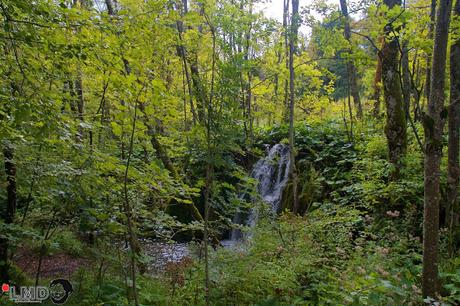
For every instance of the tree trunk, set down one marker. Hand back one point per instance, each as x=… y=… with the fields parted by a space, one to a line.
x=183 y=54
x=406 y=85
x=295 y=19
x=416 y=88
x=286 y=55
x=428 y=56
x=395 y=129
x=80 y=103
x=433 y=125
x=9 y=210
x=80 y=100
x=453 y=170
x=248 y=84
x=209 y=167
x=110 y=8
x=133 y=241
x=198 y=88
x=350 y=65
x=377 y=86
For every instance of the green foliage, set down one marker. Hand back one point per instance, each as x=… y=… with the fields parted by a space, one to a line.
x=310 y=260
x=69 y=243
x=117 y=117
x=450 y=278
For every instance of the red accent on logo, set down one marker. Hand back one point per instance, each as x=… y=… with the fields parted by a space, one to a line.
x=5 y=287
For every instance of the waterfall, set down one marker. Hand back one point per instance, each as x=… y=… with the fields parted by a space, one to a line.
x=272 y=174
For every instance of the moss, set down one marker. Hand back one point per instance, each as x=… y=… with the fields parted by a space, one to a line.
x=286 y=197
x=308 y=189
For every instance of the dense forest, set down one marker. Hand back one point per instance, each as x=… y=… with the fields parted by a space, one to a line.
x=199 y=152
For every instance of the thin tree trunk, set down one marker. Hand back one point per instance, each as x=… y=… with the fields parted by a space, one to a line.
x=42 y=252
x=453 y=170
x=110 y=8
x=133 y=243
x=248 y=84
x=415 y=84
x=295 y=19
x=35 y=176
x=199 y=88
x=79 y=87
x=395 y=129
x=350 y=109
x=407 y=89
x=377 y=86
x=352 y=75
x=433 y=124
x=80 y=104
x=405 y=73
x=183 y=54
x=344 y=116
x=286 y=55
x=209 y=166
x=428 y=56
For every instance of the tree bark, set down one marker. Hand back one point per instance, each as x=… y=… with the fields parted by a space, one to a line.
x=406 y=85
x=395 y=129
x=453 y=170
x=377 y=86
x=353 y=77
x=417 y=89
x=433 y=125
x=428 y=56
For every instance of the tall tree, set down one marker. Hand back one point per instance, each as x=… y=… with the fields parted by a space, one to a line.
x=248 y=84
x=286 y=62
x=351 y=68
x=433 y=125
x=395 y=129
x=295 y=22
x=453 y=170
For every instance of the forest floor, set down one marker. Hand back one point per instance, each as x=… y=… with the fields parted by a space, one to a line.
x=55 y=265
x=159 y=256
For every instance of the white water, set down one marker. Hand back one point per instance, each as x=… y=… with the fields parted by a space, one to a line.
x=272 y=173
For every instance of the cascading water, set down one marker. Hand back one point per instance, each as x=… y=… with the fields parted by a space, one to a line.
x=272 y=173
